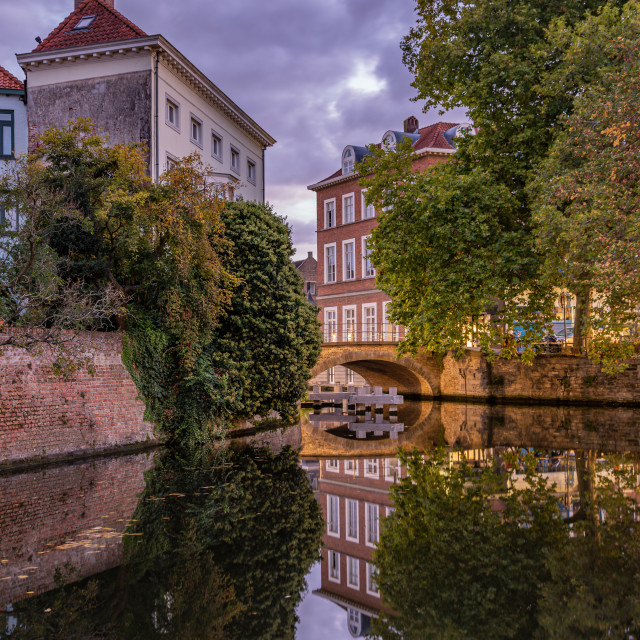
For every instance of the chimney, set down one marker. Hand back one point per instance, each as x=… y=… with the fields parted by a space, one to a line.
x=77 y=3
x=411 y=124
x=309 y=254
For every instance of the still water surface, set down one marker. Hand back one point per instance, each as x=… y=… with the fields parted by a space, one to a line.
x=245 y=542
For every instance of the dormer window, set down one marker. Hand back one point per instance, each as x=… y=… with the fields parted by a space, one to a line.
x=348 y=159
x=84 y=23
x=389 y=141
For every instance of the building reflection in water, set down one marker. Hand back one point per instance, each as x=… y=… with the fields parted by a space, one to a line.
x=354 y=494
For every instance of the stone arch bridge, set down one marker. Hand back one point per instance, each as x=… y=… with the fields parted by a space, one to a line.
x=379 y=365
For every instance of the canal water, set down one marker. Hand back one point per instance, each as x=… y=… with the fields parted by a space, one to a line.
x=262 y=540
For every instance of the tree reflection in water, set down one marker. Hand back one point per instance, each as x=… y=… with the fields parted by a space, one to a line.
x=220 y=548
x=468 y=555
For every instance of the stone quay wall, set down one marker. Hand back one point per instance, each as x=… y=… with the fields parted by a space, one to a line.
x=44 y=415
x=70 y=515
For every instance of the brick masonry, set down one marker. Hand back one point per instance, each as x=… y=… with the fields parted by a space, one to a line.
x=43 y=415
x=72 y=514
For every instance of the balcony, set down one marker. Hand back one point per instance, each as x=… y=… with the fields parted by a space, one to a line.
x=368 y=332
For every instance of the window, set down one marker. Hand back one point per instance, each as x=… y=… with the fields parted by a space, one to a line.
x=330 y=263
x=368 y=210
x=330 y=213
x=347 y=160
x=172 y=114
x=195 y=131
x=333 y=465
x=349 y=260
x=390 y=332
x=348 y=214
x=351 y=510
x=372 y=587
x=369 y=330
x=251 y=171
x=371 y=468
x=7 y=143
x=371 y=524
x=331 y=325
x=353 y=572
x=367 y=268
x=349 y=325
x=350 y=376
x=351 y=466
x=216 y=146
x=311 y=288
x=84 y=23
x=389 y=140
x=235 y=159
x=331 y=375
x=171 y=163
x=391 y=469
x=333 y=516
x=334 y=566
x=355 y=623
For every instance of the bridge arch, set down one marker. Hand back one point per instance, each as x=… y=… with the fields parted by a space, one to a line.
x=381 y=366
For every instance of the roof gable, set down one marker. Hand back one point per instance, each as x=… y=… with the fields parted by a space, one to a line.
x=9 y=81
x=432 y=137
x=107 y=26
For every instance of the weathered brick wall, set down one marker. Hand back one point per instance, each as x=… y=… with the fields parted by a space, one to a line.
x=72 y=514
x=44 y=415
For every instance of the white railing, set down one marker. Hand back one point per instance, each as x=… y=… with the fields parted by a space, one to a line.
x=362 y=332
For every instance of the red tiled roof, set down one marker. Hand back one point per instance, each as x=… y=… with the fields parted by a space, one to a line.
x=9 y=81
x=432 y=137
x=108 y=25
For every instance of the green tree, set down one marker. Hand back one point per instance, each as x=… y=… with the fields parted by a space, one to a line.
x=495 y=59
x=269 y=337
x=586 y=195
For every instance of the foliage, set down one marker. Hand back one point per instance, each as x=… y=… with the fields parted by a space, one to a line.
x=448 y=247
x=224 y=540
x=468 y=555
x=512 y=65
x=268 y=339
x=451 y=564
x=586 y=190
x=39 y=292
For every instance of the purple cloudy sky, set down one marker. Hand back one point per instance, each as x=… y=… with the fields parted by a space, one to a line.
x=316 y=74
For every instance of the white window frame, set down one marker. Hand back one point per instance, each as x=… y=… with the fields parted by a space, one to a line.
x=390 y=477
x=349 y=504
x=194 y=119
x=171 y=100
x=326 y=263
x=333 y=526
x=364 y=260
x=217 y=136
x=234 y=153
x=349 y=328
x=350 y=375
x=330 y=201
x=330 y=466
x=369 y=333
x=252 y=164
x=331 y=375
x=344 y=208
x=364 y=208
x=367 y=527
x=351 y=466
x=169 y=158
x=348 y=161
x=356 y=584
x=370 y=579
x=371 y=474
x=330 y=330
x=333 y=555
x=345 y=243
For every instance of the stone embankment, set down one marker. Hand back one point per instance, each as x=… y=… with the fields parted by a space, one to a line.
x=44 y=416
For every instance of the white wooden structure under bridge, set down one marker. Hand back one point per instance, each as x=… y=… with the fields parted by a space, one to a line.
x=358 y=408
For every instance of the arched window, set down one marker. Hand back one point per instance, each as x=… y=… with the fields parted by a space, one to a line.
x=355 y=624
x=347 y=160
x=389 y=140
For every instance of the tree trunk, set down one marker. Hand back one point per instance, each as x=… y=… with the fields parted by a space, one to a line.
x=583 y=310
x=586 y=470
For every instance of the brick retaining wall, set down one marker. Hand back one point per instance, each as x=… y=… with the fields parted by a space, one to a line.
x=43 y=415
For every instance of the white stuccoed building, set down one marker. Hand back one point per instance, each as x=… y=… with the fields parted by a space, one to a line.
x=139 y=88
x=13 y=127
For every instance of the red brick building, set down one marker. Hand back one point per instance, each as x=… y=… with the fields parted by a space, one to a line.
x=351 y=307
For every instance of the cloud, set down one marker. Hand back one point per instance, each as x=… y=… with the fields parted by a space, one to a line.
x=317 y=75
